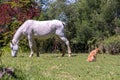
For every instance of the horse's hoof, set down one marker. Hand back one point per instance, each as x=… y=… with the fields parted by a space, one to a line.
x=37 y=56
x=14 y=56
x=63 y=55
x=30 y=56
x=69 y=55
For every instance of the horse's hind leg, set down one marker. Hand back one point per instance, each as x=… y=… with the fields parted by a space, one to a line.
x=64 y=39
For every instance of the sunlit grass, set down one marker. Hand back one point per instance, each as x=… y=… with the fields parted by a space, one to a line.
x=53 y=67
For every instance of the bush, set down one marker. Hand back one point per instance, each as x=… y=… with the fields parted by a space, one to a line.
x=111 y=45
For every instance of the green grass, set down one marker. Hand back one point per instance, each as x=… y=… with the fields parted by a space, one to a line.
x=54 y=67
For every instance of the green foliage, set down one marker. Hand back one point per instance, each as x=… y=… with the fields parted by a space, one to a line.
x=22 y=10
x=10 y=30
x=112 y=45
x=55 y=9
x=92 y=21
x=89 y=22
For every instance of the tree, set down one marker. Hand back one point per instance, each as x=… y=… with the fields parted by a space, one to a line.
x=88 y=21
x=12 y=14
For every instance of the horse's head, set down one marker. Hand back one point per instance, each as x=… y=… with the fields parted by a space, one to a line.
x=14 y=49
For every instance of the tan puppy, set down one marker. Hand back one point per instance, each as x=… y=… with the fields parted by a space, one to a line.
x=92 y=55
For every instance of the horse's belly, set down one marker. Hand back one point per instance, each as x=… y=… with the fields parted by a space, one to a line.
x=43 y=37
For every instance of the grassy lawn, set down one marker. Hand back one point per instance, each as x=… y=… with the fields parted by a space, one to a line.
x=53 y=67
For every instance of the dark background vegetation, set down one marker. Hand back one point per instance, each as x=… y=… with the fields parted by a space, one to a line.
x=89 y=23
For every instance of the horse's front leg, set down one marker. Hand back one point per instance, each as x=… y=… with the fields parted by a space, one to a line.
x=31 y=46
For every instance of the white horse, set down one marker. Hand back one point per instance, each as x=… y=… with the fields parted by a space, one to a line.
x=38 y=29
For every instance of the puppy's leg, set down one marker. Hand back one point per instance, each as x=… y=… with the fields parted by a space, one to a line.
x=95 y=58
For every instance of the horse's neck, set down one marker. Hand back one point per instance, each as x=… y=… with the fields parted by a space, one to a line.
x=17 y=36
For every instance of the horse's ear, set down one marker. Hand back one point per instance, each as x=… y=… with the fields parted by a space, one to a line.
x=11 y=43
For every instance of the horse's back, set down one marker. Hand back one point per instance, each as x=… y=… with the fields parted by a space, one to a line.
x=43 y=28
x=45 y=25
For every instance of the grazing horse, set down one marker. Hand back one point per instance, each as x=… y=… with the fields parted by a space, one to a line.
x=38 y=29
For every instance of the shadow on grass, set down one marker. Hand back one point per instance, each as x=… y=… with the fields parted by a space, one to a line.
x=60 y=56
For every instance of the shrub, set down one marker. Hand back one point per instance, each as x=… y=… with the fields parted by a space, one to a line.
x=111 y=45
